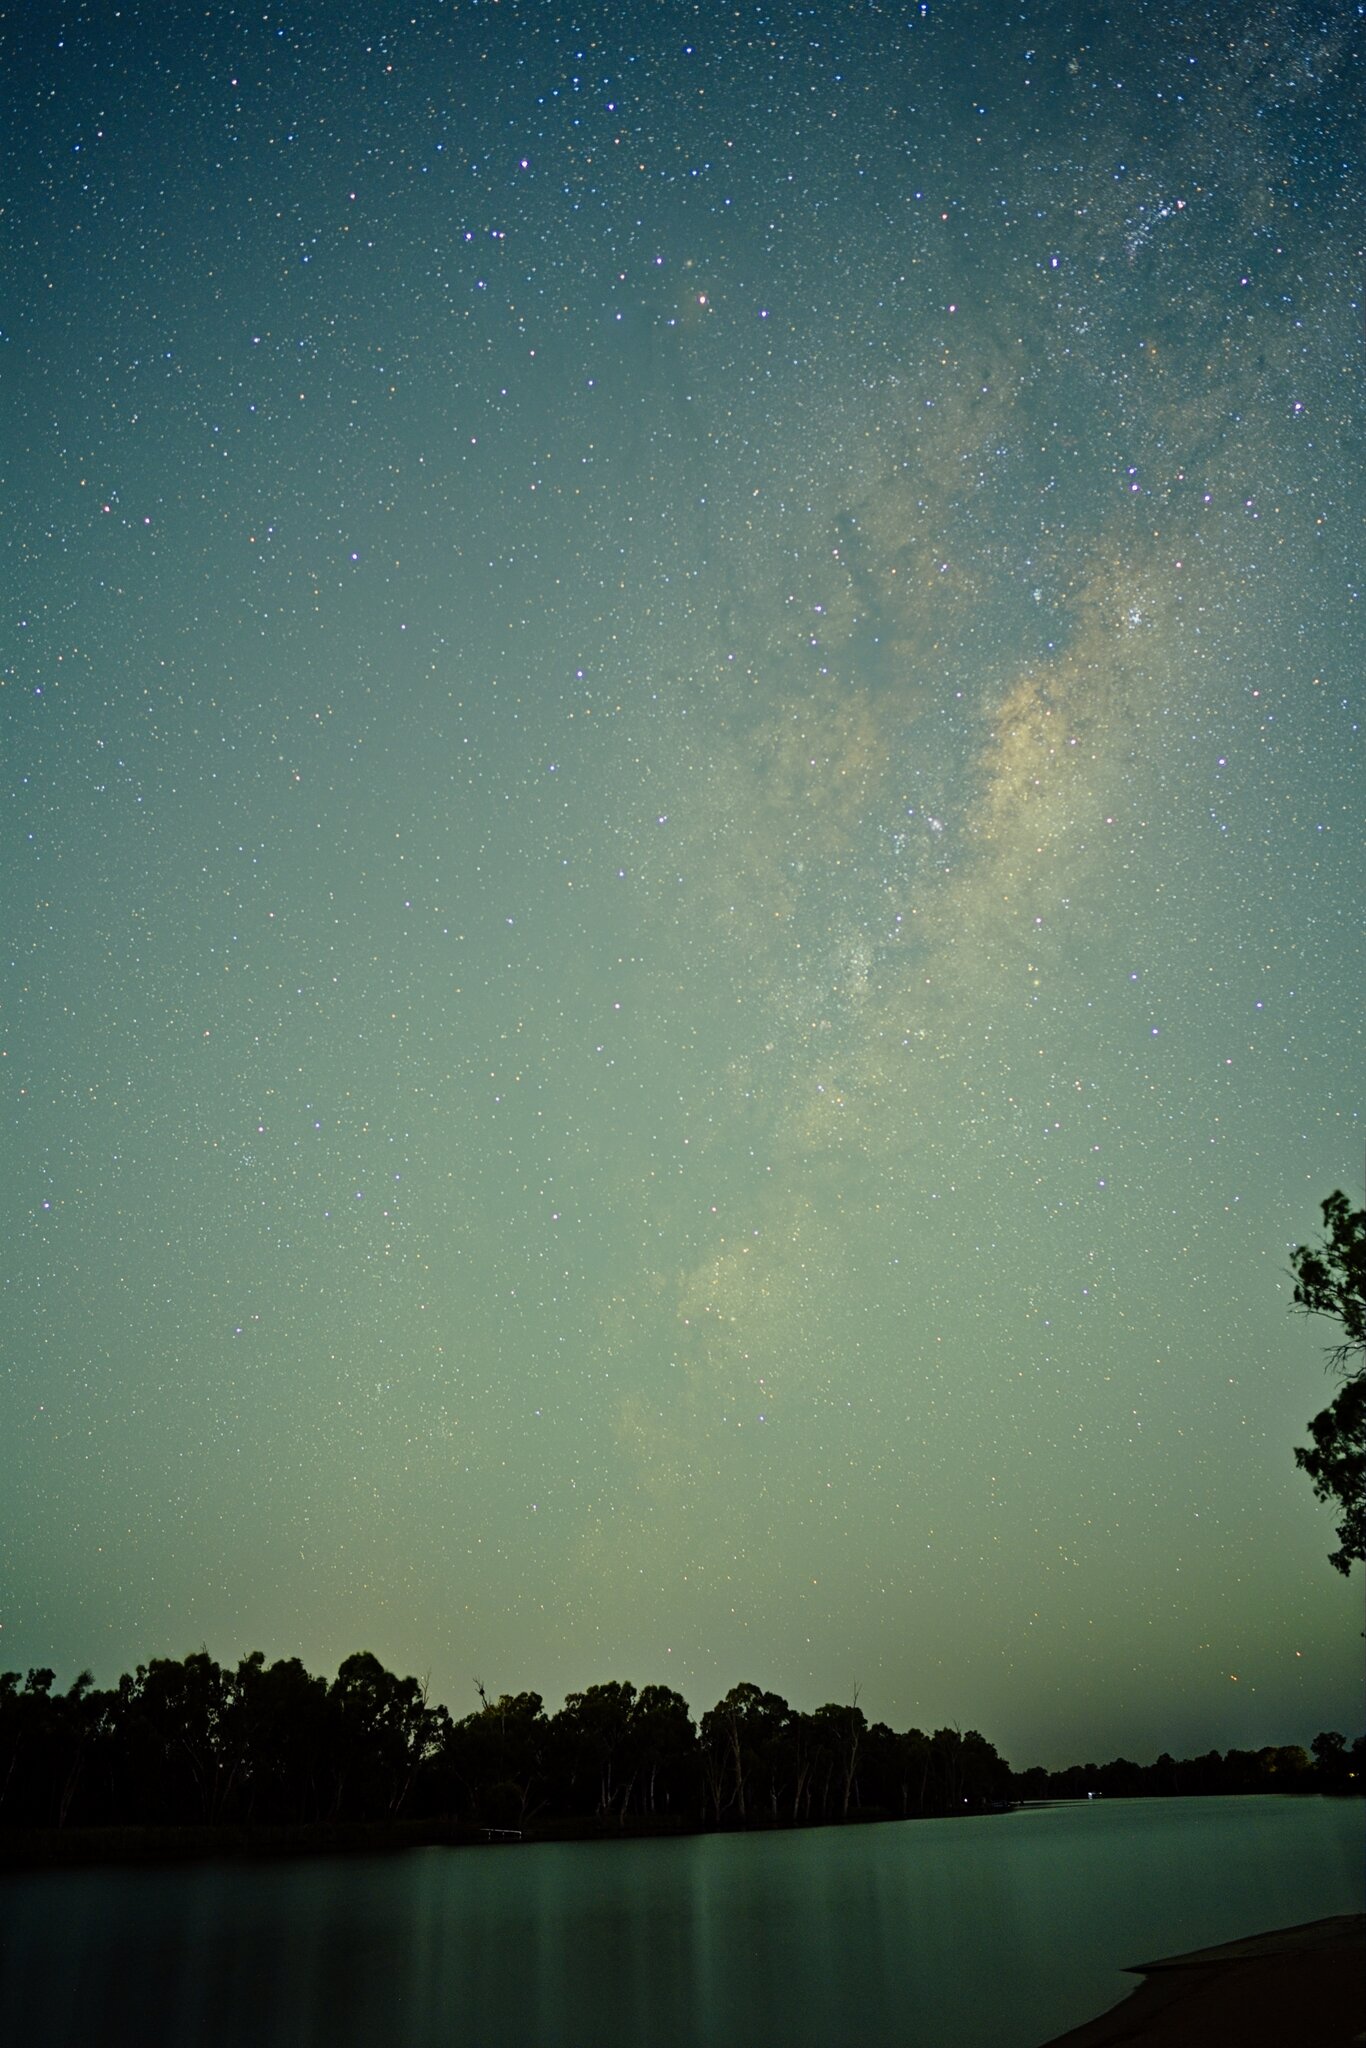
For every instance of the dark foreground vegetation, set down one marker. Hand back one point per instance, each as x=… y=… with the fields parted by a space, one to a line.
x=187 y=1756
x=1330 y=1282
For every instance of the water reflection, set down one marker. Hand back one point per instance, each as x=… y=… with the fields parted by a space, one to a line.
x=951 y=1934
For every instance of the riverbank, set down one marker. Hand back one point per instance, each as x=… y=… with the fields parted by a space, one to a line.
x=1301 y=1984
x=77 y=1848
x=74 y=1848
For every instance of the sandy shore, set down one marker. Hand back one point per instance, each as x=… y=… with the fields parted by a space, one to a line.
x=1299 y=1987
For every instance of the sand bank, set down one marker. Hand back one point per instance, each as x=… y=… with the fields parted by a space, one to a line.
x=1299 y=1987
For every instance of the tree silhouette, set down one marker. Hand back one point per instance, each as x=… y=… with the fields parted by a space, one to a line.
x=1330 y=1280
x=269 y=1755
x=385 y=1732
x=500 y=1755
x=668 y=1741
x=735 y=1733
x=598 y=1732
x=283 y=1716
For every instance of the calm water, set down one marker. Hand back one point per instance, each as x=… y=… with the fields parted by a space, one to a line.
x=941 y=1934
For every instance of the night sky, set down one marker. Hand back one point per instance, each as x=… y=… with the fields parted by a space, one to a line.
x=683 y=933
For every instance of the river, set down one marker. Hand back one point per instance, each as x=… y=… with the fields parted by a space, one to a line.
x=978 y=1933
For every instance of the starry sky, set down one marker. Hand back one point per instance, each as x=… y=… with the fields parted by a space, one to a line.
x=682 y=856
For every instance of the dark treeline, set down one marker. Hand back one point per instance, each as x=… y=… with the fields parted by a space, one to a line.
x=1330 y=1764
x=190 y=1743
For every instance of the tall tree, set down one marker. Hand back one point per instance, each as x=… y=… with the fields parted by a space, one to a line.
x=282 y=1725
x=500 y=1754
x=735 y=1735
x=384 y=1731
x=597 y=1729
x=1330 y=1280
x=843 y=1729
x=179 y=1713
x=668 y=1743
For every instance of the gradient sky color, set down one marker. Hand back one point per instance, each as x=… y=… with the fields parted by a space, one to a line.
x=683 y=854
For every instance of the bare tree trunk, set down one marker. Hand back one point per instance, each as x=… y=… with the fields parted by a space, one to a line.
x=69 y=1787
x=739 y=1766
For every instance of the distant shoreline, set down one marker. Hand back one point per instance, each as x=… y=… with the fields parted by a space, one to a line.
x=86 y=1848
x=29 y=1849
x=81 y=1848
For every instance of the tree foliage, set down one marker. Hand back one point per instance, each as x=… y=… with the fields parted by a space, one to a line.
x=186 y=1742
x=191 y=1743
x=1330 y=1280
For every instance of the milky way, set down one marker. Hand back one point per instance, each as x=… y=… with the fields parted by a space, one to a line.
x=683 y=874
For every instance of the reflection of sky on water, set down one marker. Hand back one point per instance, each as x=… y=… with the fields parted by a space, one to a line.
x=997 y=1932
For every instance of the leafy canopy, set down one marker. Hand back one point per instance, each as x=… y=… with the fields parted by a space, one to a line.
x=1330 y=1280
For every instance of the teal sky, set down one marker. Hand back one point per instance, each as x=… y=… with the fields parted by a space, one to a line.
x=683 y=855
